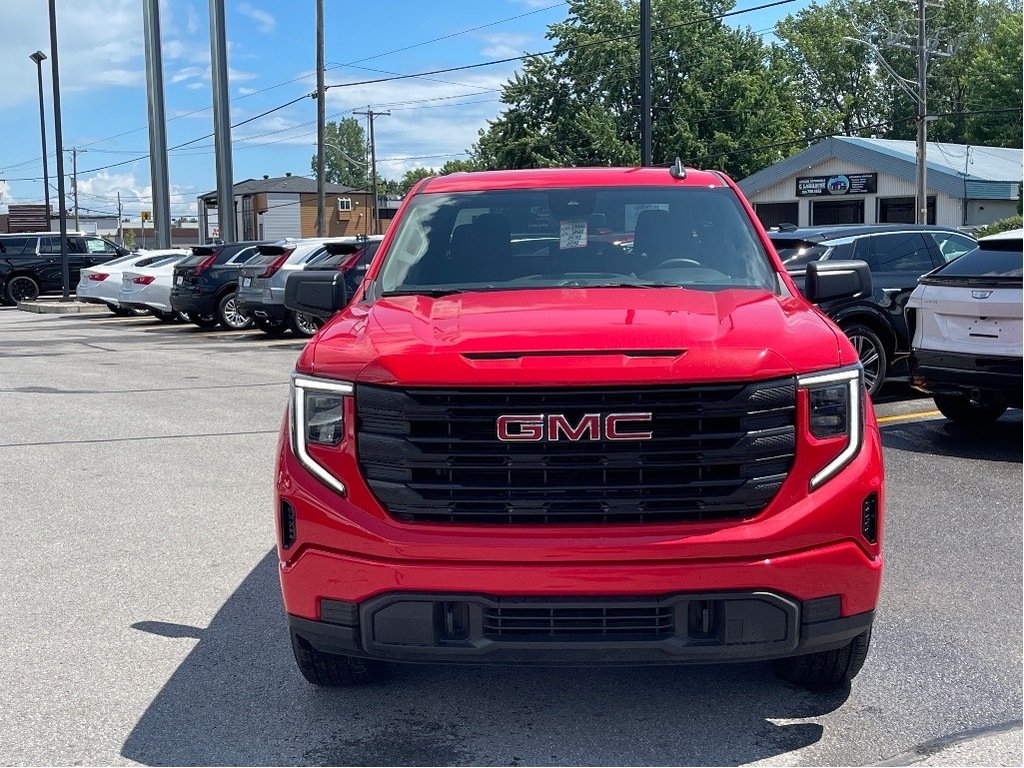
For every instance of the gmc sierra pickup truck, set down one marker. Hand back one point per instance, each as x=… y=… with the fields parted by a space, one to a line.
x=579 y=416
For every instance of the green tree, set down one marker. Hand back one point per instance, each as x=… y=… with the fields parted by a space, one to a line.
x=458 y=166
x=716 y=92
x=345 y=154
x=842 y=88
x=412 y=176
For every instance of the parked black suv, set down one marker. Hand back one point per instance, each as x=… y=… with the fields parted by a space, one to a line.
x=205 y=284
x=897 y=254
x=30 y=262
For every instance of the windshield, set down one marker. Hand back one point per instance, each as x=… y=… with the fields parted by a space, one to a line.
x=798 y=253
x=581 y=237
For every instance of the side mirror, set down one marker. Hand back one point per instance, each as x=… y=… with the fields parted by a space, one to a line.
x=318 y=293
x=828 y=280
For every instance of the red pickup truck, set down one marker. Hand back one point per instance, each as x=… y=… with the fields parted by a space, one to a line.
x=573 y=417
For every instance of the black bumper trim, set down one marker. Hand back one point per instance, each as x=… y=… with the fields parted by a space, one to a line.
x=276 y=313
x=941 y=373
x=747 y=626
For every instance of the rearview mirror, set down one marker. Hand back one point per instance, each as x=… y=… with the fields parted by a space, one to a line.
x=827 y=280
x=318 y=293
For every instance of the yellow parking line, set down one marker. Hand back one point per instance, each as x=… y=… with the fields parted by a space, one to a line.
x=907 y=416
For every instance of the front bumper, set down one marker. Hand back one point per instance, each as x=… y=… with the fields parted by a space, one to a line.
x=951 y=373
x=706 y=627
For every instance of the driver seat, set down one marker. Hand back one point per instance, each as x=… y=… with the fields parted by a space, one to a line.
x=657 y=239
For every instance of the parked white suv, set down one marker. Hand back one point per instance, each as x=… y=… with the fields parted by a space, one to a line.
x=966 y=322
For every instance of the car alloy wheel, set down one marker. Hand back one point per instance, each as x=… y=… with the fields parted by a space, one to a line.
x=872 y=355
x=231 y=316
x=304 y=324
x=22 y=288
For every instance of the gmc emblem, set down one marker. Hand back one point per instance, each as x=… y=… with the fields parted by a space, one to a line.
x=536 y=427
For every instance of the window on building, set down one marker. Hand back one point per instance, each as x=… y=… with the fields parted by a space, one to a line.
x=825 y=213
x=900 y=210
x=344 y=204
x=774 y=214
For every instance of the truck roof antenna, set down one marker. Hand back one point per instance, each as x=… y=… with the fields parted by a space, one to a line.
x=677 y=170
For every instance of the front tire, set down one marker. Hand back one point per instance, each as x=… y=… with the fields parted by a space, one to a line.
x=826 y=670
x=964 y=411
x=21 y=288
x=331 y=670
x=872 y=354
x=230 y=316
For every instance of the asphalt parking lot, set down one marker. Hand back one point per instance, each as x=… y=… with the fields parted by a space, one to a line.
x=142 y=620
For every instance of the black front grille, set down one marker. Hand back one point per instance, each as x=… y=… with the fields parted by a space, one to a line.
x=606 y=619
x=718 y=451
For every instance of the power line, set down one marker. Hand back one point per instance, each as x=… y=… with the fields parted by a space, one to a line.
x=302 y=77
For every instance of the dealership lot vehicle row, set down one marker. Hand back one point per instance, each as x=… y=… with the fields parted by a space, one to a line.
x=146 y=623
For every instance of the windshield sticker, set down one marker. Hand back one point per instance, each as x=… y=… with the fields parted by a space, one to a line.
x=573 y=234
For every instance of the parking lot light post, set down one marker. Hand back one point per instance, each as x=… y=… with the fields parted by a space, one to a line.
x=59 y=138
x=38 y=57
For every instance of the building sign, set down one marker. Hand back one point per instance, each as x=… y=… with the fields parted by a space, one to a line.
x=840 y=184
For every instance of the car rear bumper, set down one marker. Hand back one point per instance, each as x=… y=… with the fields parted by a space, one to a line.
x=261 y=302
x=951 y=373
x=193 y=303
x=696 y=627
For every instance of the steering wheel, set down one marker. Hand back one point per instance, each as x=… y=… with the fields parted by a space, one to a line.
x=679 y=262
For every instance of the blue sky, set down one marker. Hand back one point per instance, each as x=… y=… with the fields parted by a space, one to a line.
x=271 y=60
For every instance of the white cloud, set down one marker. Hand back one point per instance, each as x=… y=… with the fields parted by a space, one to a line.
x=5 y=196
x=99 y=193
x=264 y=21
x=425 y=119
x=535 y=3
x=499 y=46
x=243 y=91
x=192 y=22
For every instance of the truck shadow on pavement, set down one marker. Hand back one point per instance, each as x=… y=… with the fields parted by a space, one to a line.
x=238 y=699
x=1001 y=441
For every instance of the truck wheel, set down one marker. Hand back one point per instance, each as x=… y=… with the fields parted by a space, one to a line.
x=872 y=355
x=963 y=410
x=303 y=324
x=332 y=670
x=826 y=669
x=270 y=327
x=21 y=288
x=230 y=316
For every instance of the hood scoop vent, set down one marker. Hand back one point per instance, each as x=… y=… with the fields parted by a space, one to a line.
x=666 y=353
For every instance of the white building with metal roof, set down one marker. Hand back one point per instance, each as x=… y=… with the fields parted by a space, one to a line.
x=850 y=180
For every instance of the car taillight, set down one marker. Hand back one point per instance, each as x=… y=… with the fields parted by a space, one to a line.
x=204 y=265
x=144 y=280
x=99 y=277
x=275 y=265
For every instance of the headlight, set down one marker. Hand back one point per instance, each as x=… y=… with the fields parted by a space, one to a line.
x=317 y=418
x=835 y=404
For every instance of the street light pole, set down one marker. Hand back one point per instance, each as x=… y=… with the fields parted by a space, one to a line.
x=38 y=57
x=922 y=117
x=321 y=127
x=59 y=137
x=645 y=82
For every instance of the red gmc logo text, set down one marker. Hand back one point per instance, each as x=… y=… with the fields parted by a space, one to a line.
x=536 y=427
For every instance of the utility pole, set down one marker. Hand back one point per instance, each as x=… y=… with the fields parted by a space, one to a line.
x=916 y=88
x=222 y=123
x=321 y=126
x=74 y=178
x=157 y=124
x=371 y=115
x=645 y=82
x=921 y=217
x=120 y=216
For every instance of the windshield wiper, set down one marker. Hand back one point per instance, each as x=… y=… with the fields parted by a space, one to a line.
x=433 y=293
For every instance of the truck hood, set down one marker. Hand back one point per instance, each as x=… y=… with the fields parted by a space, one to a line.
x=575 y=337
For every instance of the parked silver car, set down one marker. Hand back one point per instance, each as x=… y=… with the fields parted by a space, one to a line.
x=262 y=280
